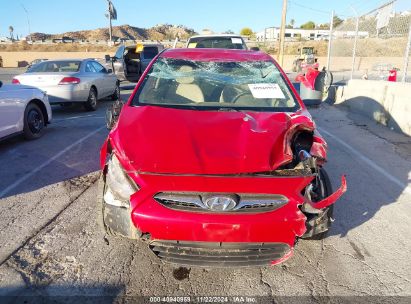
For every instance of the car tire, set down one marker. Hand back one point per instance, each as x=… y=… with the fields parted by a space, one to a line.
x=117 y=93
x=91 y=103
x=328 y=213
x=34 y=122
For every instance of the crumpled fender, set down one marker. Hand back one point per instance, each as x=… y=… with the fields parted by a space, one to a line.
x=332 y=198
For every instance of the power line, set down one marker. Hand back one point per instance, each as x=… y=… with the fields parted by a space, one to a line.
x=310 y=8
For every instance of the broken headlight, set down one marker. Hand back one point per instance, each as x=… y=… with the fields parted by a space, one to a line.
x=119 y=187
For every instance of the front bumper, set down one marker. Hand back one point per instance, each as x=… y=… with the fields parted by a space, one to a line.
x=217 y=239
x=162 y=223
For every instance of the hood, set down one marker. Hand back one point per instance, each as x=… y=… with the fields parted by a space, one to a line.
x=175 y=141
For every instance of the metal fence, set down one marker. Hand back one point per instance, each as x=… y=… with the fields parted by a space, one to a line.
x=374 y=45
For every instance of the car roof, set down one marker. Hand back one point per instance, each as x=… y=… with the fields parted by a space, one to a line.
x=144 y=45
x=216 y=55
x=217 y=35
x=69 y=59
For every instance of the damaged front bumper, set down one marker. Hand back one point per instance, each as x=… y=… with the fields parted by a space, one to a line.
x=158 y=222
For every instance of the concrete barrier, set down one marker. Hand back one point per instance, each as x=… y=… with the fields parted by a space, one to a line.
x=388 y=103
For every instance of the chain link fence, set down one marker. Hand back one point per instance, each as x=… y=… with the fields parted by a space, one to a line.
x=375 y=45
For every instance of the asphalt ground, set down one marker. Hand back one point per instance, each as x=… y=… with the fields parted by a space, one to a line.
x=51 y=244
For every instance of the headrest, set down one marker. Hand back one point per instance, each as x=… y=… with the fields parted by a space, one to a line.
x=185 y=80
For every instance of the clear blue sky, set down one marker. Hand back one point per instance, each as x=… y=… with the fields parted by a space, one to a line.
x=57 y=16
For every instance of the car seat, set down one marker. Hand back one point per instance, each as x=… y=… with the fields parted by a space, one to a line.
x=187 y=88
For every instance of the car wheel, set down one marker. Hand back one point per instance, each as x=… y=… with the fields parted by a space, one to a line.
x=317 y=221
x=34 y=122
x=91 y=103
x=116 y=95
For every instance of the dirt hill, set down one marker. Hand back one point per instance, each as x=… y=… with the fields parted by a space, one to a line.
x=158 y=32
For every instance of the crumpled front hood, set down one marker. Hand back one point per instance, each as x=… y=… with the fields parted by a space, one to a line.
x=166 y=140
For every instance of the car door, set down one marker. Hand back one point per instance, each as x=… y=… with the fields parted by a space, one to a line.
x=95 y=78
x=108 y=81
x=119 y=64
x=148 y=54
x=11 y=110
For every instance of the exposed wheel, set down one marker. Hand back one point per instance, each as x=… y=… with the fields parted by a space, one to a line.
x=91 y=103
x=116 y=95
x=319 y=222
x=34 y=122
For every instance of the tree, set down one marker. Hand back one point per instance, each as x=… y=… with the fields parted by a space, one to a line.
x=229 y=32
x=310 y=25
x=246 y=31
x=11 y=30
x=337 y=21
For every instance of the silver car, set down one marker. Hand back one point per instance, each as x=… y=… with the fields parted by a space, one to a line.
x=24 y=110
x=72 y=80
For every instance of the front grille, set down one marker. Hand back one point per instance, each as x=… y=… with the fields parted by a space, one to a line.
x=247 y=203
x=219 y=254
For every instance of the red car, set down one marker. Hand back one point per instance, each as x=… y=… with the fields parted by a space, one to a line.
x=215 y=161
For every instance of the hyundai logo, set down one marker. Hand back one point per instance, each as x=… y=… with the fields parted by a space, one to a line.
x=220 y=203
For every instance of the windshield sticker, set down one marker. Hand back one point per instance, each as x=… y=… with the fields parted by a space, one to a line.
x=236 y=41
x=192 y=45
x=266 y=90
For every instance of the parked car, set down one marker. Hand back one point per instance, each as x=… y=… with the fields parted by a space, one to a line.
x=72 y=80
x=130 y=62
x=24 y=110
x=220 y=41
x=215 y=161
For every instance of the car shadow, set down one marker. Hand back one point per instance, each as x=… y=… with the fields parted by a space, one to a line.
x=78 y=293
x=364 y=199
x=69 y=148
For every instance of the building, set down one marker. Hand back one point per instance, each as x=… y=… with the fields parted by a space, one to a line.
x=273 y=34
x=294 y=34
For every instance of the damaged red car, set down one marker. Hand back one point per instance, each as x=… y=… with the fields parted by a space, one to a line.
x=215 y=161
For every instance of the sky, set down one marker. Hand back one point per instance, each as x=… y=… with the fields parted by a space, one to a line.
x=57 y=16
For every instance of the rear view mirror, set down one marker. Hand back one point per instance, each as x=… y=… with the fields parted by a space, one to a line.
x=255 y=48
x=113 y=113
x=107 y=57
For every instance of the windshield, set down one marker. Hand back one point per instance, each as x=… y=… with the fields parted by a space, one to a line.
x=256 y=85
x=217 y=43
x=55 y=67
x=308 y=51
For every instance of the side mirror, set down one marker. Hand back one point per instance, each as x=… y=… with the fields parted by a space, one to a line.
x=109 y=71
x=107 y=57
x=113 y=113
x=255 y=48
x=1 y=84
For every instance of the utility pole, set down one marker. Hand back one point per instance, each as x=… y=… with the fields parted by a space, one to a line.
x=330 y=37
x=28 y=20
x=407 y=55
x=111 y=15
x=109 y=20
x=282 y=33
x=354 y=50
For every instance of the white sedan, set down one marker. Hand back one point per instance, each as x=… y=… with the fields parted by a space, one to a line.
x=72 y=80
x=24 y=110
